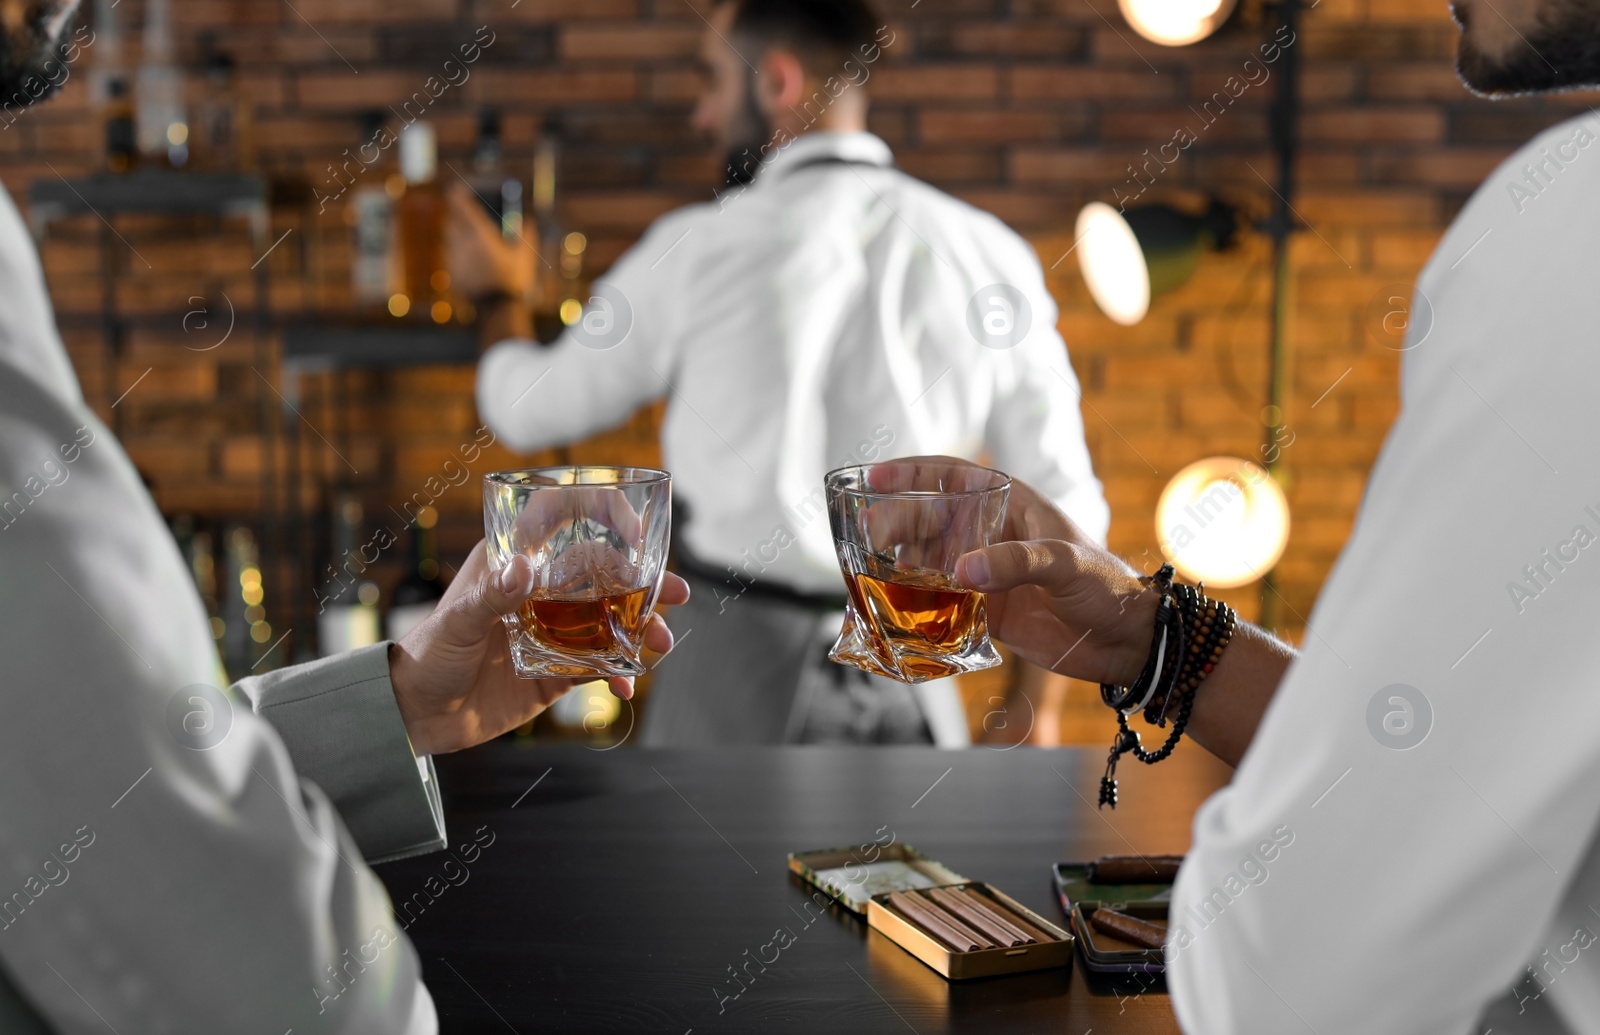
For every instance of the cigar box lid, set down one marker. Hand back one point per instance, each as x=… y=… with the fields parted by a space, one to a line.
x=1055 y=951
x=854 y=873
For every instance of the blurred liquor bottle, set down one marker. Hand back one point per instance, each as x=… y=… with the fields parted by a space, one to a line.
x=421 y=590
x=573 y=247
x=108 y=91
x=348 y=605
x=424 y=282
x=121 y=142
x=246 y=633
x=498 y=190
x=223 y=130
x=549 y=291
x=559 y=291
x=195 y=543
x=161 y=123
x=374 y=268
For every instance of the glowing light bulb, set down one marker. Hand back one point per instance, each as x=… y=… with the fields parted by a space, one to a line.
x=1223 y=521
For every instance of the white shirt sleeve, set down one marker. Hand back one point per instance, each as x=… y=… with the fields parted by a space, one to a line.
x=1424 y=785
x=618 y=357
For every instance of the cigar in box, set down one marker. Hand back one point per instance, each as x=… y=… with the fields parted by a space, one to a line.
x=1134 y=869
x=969 y=930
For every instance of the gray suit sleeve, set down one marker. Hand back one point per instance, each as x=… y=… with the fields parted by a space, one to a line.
x=339 y=721
x=163 y=864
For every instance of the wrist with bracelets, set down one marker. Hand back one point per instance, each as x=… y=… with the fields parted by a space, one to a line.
x=1191 y=633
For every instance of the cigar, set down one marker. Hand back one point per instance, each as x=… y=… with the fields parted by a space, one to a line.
x=1134 y=869
x=980 y=917
x=1128 y=928
x=1008 y=915
x=946 y=928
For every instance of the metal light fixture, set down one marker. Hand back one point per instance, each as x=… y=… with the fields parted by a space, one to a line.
x=1223 y=521
x=1175 y=23
x=1123 y=278
x=1130 y=257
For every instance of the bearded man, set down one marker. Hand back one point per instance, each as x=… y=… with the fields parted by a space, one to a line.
x=825 y=309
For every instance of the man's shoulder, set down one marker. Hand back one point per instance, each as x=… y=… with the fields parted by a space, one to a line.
x=947 y=207
x=1550 y=166
x=970 y=235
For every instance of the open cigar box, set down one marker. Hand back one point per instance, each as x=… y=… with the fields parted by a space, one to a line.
x=960 y=928
x=1105 y=953
x=1082 y=895
x=969 y=930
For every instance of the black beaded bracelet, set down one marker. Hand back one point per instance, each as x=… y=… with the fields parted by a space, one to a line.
x=1191 y=633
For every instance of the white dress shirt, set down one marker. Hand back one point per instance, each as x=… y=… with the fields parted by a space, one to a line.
x=167 y=863
x=1343 y=885
x=818 y=318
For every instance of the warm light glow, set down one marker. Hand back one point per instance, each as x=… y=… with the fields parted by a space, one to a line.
x=600 y=707
x=440 y=312
x=399 y=305
x=261 y=632
x=178 y=134
x=574 y=243
x=1175 y=23
x=1112 y=263
x=439 y=280
x=571 y=311
x=1222 y=521
x=367 y=593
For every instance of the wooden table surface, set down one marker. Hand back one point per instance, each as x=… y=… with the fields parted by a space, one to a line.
x=614 y=890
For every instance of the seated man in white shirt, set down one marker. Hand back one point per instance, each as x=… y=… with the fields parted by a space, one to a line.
x=174 y=857
x=832 y=311
x=1411 y=841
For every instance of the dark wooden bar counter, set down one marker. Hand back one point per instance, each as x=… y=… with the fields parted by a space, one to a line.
x=615 y=891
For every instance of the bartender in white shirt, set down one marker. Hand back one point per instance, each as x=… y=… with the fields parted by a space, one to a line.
x=1410 y=844
x=831 y=311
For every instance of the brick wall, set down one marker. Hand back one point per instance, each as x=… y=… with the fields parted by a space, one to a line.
x=1025 y=107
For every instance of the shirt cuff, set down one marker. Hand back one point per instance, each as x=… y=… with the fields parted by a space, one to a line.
x=340 y=722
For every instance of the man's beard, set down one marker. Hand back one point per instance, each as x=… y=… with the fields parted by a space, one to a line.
x=751 y=133
x=32 y=58
x=1561 y=52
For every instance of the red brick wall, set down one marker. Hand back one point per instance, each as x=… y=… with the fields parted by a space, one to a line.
x=1025 y=107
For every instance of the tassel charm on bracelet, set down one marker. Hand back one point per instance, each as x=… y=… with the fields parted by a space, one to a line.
x=1127 y=741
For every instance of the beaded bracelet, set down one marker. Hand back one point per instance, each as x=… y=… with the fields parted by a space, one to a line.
x=1192 y=631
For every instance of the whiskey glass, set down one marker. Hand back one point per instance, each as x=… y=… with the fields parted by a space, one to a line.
x=598 y=538
x=898 y=528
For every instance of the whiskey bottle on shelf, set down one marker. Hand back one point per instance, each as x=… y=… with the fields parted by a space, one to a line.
x=549 y=289
x=421 y=590
x=121 y=138
x=424 y=282
x=499 y=192
x=161 y=124
x=246 y=633
x=374 y=268
x=222 y=134
x=108 y=90
x=347 y=615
